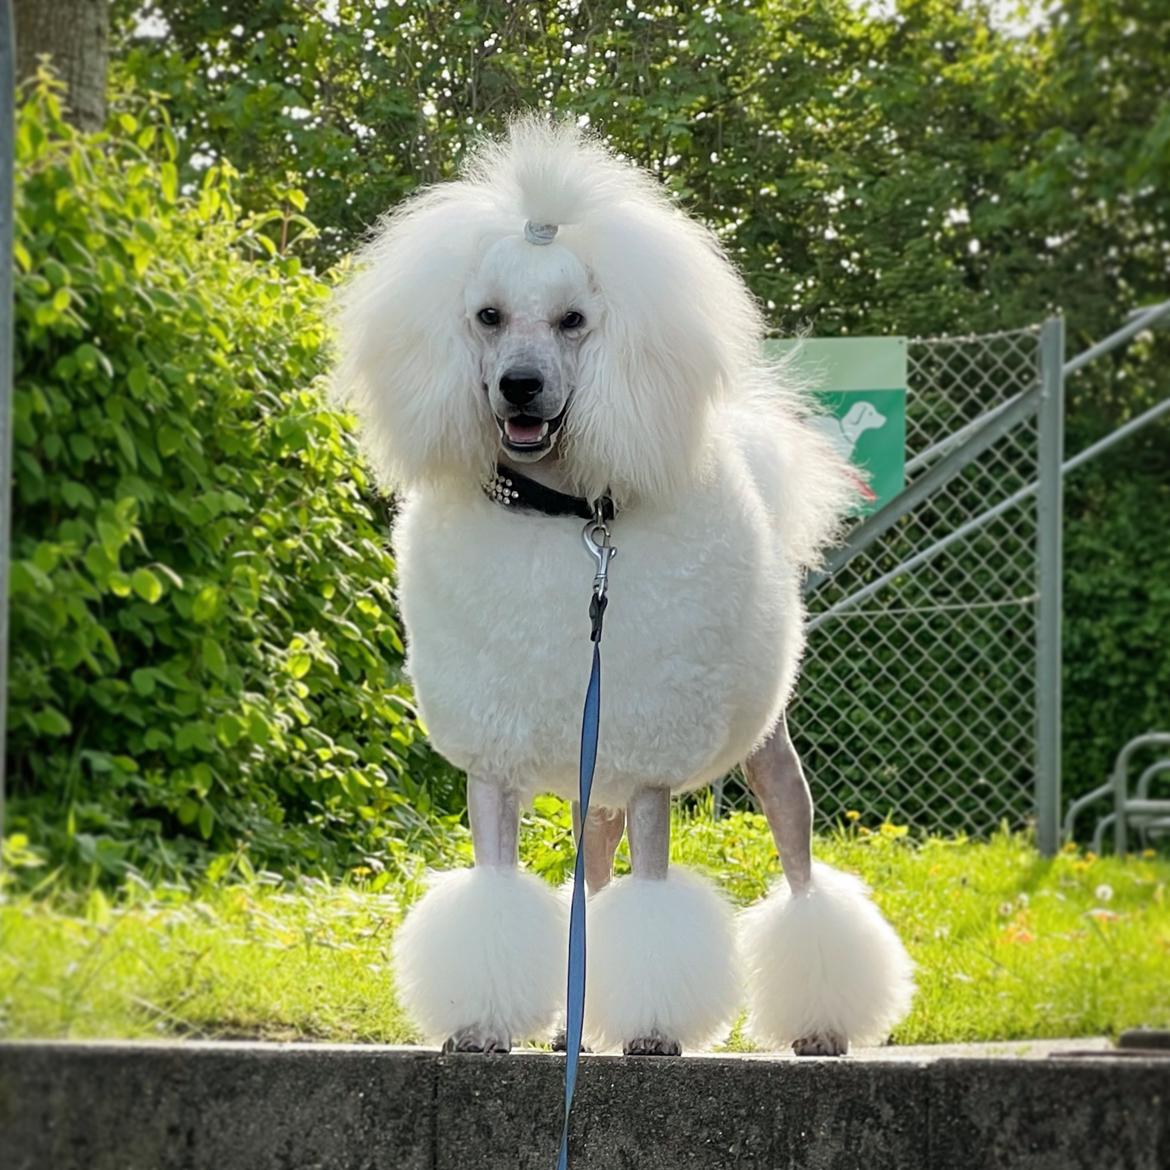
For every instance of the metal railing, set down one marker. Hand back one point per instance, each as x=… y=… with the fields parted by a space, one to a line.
x=931 y=691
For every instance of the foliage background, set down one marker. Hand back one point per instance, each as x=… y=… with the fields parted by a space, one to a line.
x=928 y=169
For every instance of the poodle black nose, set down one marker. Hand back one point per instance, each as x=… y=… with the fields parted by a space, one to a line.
x=521 y=385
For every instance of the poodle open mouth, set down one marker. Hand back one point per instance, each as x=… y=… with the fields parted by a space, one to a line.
x=526 y=434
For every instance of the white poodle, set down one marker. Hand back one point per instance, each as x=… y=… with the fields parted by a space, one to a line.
x=546 y=333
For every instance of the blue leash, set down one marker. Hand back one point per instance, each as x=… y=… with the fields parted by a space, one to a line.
x=597 y=542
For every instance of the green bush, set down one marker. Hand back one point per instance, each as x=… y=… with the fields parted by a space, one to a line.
x=206 y=656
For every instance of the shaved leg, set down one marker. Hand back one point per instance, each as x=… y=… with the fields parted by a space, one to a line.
x=603 y=834
x=494 y=813
x=648 y=826
x=776 y=779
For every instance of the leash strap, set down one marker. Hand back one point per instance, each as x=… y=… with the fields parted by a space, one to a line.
x=596 y=536
x=575 y=1012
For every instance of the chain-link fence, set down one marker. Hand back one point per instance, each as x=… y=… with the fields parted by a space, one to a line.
x=918 y=695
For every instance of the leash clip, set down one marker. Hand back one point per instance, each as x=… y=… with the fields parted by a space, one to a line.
x=597 y=541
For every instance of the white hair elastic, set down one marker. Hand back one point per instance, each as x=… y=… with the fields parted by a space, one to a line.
x=540 y=233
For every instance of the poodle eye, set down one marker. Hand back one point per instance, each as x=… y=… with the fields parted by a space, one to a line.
x=488 y=316
x=572 y=320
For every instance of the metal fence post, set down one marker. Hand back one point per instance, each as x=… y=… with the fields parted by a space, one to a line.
x=1049 y=524
x=7 y=163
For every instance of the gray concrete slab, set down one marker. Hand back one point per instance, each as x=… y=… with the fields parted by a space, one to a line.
x=240 y=1106
x=189 y=1107
x=1109 y=1114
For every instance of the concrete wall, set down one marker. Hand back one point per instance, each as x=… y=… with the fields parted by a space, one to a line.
x=304 y=1107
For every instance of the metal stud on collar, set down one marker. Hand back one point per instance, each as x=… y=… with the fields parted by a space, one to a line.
x=500 y=489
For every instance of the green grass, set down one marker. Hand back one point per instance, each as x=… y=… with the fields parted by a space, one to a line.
x=1009 y=945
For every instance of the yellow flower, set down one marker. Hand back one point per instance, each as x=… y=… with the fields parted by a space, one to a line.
x=853 y=815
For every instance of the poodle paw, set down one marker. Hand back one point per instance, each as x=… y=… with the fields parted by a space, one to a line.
x=821 y=1044
x=560 y=1043
x=477 y=1040
x=653 y=1045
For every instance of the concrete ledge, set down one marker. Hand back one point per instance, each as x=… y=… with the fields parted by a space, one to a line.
x=197 y=1106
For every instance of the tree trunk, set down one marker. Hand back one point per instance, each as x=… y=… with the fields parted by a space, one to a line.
x=75 y=35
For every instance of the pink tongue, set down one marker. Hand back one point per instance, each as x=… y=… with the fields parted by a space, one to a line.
x=520 y=432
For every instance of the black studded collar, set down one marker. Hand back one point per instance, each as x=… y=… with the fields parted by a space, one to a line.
x=510 y=489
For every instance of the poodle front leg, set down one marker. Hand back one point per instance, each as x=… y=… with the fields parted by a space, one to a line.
x=661 y=970
x=479 y=959
x=494 y=815
x=823 y=967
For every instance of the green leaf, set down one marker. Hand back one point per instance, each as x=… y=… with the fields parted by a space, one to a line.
x=138 y=380
x=299 y=665
x=146 y=585
x=229 y=729
x=206 y=603
x=206 y=820
x=213 y=658
x=51 y=722
x=111 y=536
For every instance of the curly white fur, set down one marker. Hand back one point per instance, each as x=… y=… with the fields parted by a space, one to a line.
x=483 y=948
x=680 y=332
x=823 y=963
x=661 y=961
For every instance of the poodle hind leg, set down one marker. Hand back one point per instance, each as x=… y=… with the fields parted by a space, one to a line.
x=479 y=959
x=661 y=948
x=603 y=834
x=824 y=968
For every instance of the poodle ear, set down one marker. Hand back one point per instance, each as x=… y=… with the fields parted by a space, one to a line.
x=679 y=329
x=406 y=367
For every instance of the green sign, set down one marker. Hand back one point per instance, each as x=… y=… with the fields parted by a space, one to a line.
x=861 y=382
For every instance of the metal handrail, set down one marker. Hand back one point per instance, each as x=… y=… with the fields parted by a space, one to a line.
x=1139 y=319
x=1117 y=787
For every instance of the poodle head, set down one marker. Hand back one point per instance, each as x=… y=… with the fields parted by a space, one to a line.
x=530 y=309
x=550 y=304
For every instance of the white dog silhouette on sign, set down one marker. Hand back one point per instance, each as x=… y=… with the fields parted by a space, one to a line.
x=843 y=433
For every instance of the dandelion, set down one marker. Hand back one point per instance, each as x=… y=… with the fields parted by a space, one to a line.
x=1005 y=909
x=852 y=814
x=1103 y=893
x=1022 y=901
x=1148 y=854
